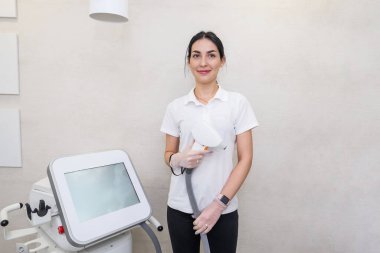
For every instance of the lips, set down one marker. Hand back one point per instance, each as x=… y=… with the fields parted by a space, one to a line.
x=203 y=72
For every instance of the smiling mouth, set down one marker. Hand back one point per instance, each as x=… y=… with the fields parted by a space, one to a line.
x=203 y=72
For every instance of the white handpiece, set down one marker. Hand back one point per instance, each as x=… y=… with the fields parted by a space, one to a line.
x=4 y=213
x=206 y=137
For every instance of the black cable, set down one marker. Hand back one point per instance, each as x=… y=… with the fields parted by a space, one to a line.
x=182 y=169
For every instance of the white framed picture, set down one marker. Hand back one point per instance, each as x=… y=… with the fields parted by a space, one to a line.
x=10 y=138
x=8 y=9
x=9 y=70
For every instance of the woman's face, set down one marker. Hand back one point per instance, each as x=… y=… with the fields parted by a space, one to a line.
x=205 y=61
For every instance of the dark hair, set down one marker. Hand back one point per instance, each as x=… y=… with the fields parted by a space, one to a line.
x=206 y=35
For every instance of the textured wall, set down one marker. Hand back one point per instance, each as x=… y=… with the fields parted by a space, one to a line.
x=309 y=69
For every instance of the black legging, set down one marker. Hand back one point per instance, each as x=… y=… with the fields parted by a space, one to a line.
x=222 y=237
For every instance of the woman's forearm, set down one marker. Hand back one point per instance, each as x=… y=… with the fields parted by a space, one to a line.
x=242 y=168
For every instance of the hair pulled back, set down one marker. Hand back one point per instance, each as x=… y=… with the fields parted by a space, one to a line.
x=206 y=35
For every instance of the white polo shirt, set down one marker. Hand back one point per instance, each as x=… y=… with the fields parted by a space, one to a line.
x=230 y=114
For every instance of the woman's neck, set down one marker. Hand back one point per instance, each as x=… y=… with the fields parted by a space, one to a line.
x=204 y=93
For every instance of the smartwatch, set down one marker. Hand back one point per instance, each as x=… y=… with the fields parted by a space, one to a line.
x=224 y=199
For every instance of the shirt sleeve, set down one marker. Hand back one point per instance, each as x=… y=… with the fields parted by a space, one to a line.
x=246 y=118
x=169 y=125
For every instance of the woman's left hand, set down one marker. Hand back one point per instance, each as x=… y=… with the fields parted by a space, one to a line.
x=208 y=218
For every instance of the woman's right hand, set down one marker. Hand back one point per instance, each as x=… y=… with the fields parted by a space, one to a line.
x=188 y=158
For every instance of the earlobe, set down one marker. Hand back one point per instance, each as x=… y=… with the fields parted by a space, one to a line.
x=223 y=61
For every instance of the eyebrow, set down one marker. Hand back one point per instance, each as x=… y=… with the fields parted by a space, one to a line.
x=211 y=51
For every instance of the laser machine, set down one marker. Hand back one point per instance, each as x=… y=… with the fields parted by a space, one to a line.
x=88 y=203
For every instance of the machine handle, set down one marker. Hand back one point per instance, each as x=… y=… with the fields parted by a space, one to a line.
x=4 y=213
x=156 y=223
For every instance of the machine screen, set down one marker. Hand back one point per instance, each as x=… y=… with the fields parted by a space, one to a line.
x=101 y=190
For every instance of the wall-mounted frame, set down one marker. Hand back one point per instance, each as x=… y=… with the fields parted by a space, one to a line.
x=8 y=9
x=10 y=138
x=9 y=70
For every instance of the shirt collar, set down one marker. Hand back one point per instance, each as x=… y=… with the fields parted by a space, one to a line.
x=221 y=94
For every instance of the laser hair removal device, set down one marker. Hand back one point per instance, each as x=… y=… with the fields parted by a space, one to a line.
x=205 y=138
x=88 y=203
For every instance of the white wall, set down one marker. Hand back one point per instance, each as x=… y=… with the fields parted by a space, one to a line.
x=309 y=69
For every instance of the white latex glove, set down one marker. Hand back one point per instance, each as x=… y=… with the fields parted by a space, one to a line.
x=188 y=158
x=208 y=217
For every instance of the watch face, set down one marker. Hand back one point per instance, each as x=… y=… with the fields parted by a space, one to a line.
x=224 y=200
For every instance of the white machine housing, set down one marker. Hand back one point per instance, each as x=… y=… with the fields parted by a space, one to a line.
x=41 y=190
x=68 y=215
x=98 y=195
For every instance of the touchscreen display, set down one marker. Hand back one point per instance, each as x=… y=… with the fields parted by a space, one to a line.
x=101 y=190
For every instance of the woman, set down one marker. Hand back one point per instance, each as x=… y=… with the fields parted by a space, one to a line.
x=215 y=179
